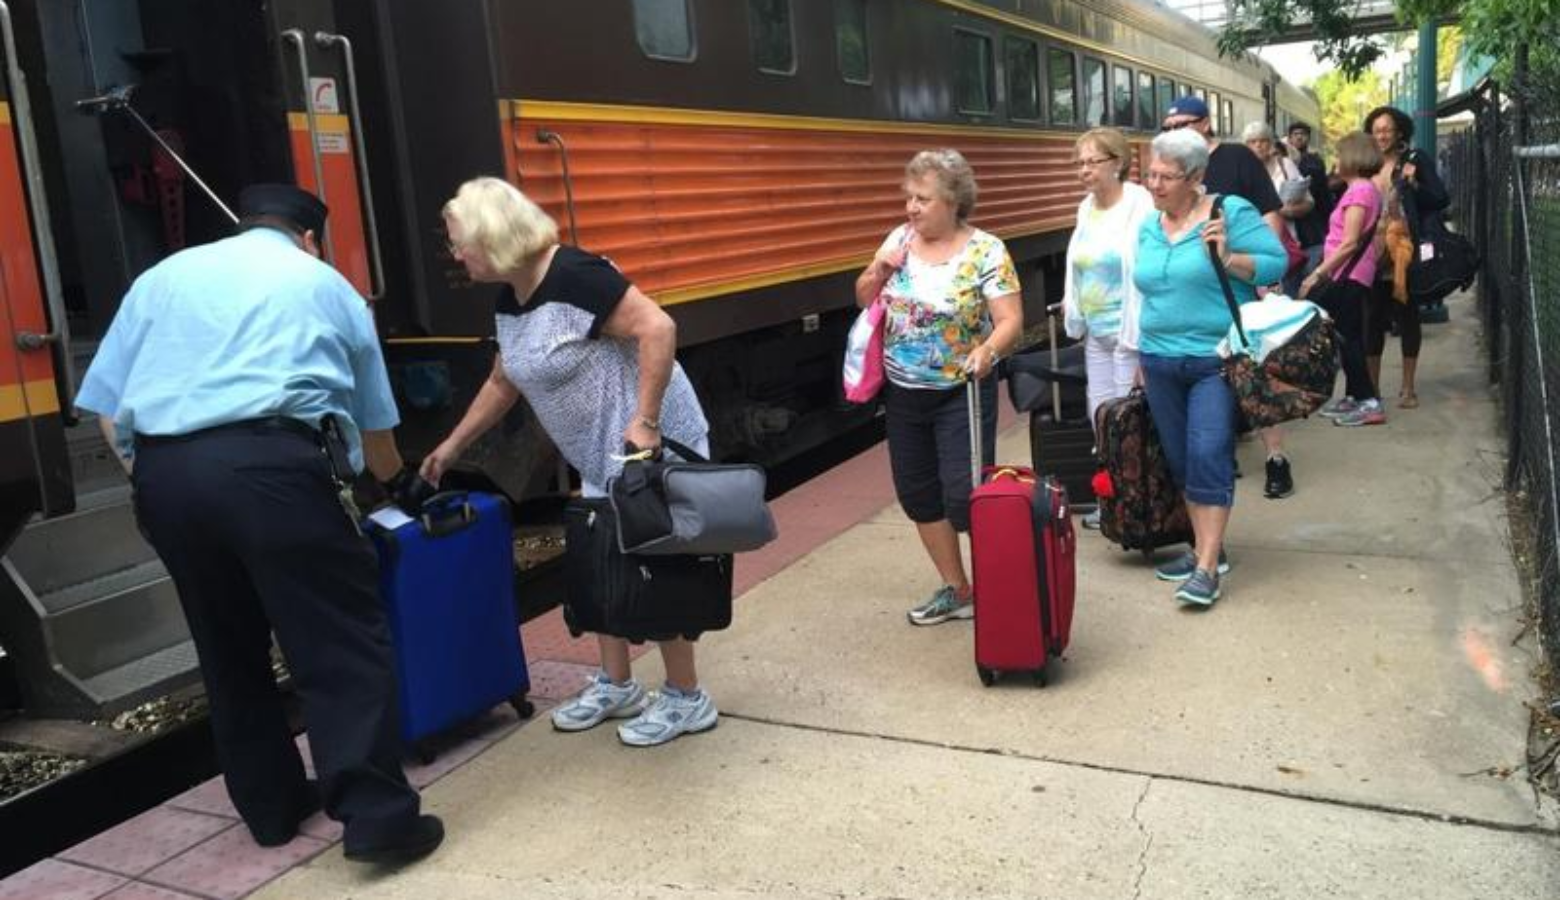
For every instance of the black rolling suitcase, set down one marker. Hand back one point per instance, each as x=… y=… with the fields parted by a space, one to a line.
x=1051 y=386
x=640 y=598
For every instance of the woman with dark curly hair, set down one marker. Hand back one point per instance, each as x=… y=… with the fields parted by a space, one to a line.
x=1409 y=182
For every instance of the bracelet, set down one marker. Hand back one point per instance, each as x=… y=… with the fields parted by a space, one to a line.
x=652 y=424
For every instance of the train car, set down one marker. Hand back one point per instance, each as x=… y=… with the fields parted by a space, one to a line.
x=738 y=159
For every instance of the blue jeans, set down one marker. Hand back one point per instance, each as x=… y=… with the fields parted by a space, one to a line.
x=1194 y=412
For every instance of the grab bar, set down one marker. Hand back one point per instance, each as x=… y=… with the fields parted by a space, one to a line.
x=543 y=136
x=325 y=40
x=294 y=36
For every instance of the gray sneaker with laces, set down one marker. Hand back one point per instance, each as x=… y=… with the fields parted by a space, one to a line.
x=942 y=606
x=1199 y=590
x=671 y=714
x=1182 y=567
x=601 y=700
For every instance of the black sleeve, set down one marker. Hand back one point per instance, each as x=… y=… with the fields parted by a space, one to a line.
x=593 y=284
x=1430 y=195
x=1256 y=186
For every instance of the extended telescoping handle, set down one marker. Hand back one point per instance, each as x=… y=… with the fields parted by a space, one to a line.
x=972 y=385
x=1051 y=312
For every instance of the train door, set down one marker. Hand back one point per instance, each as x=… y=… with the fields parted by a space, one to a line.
x=34 y=471
x=1269 y=104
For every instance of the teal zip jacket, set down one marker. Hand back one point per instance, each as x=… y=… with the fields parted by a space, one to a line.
x=1184 y=313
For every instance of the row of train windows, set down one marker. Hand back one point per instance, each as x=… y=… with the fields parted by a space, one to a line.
x=664 y=29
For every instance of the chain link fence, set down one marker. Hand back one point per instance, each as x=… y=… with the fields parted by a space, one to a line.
x=1504 y=173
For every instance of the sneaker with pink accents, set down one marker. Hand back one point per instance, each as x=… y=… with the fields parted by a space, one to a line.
x=1369 y=413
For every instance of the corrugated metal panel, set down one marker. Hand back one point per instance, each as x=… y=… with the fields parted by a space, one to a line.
x=685 y=207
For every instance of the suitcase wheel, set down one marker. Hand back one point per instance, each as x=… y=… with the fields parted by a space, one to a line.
x=523 y=708
x=988 y=677
x=1040 y=677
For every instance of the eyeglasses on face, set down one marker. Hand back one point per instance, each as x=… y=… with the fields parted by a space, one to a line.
x=1172 y=177
x=1095 y=161
x=1176 y=126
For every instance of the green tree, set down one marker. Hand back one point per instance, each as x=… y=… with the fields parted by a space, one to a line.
x=1345 y=101
x=1493 y=28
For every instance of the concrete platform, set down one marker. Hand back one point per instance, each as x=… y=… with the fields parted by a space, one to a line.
x=1329 y=729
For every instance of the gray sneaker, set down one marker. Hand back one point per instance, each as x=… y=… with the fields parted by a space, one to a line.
x=943 y=605
x=671 y=714
x=1199 y=590
x=1182 y=567
x=601 y=700
x=1091 y=520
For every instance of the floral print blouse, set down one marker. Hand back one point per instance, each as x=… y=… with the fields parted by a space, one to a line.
x=938 y=313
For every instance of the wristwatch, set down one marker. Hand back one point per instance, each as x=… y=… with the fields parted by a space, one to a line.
x=652 y=424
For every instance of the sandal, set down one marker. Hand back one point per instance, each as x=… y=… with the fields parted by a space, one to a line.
x=1408 y=401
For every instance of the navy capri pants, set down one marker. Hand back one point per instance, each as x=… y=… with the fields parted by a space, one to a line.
x=929 y=449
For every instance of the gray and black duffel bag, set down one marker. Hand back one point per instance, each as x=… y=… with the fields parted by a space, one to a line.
x=690 y=505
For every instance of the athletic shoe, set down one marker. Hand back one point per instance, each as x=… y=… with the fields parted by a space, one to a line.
x=1199 y=590
x=943 y=606
x=601 y=700
x=1280 y=483
x=1091 y=520
x=1369 y=413
x=1343 y=406
x=1183 y=566
x=672 y=713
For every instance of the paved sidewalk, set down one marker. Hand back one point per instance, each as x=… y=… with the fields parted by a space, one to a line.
x=1326 y=730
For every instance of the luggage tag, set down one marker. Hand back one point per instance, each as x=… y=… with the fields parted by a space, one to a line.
x=1426 y=251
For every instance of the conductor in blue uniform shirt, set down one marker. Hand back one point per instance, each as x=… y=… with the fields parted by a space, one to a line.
x=243 y=384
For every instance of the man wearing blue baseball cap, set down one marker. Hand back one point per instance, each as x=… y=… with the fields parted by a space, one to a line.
x=1234 y=169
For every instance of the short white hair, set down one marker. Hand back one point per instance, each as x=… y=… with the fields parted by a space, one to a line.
x=1184 y=147
x=501 y=222
x=1257 y=131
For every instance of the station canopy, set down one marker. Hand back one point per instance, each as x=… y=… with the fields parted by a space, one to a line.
x=1370 y=16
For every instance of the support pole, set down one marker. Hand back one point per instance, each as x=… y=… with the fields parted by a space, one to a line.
x=1424 y=96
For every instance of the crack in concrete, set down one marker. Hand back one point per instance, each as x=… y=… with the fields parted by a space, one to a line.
x=1360 y=805
x=1148 y=840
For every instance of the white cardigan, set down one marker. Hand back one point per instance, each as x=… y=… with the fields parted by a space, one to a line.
x=1139 y=206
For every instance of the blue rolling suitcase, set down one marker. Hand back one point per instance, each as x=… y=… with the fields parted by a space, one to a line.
x=447 y=579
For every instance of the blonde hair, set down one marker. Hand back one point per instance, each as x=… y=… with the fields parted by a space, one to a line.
x=1358 y=156
x=501 y=222
x=1110 y=140
x=954 y=177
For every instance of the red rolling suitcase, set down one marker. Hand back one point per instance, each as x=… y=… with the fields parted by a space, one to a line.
x=1023 y=555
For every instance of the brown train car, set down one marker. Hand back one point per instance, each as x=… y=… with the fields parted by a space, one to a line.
x=739 y=159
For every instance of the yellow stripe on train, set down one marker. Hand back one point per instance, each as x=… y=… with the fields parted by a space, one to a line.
x=40 y=399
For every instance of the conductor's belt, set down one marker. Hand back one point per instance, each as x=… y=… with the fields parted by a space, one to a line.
x=262 y=426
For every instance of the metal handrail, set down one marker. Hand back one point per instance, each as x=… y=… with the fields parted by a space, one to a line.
x=38 y=205
x=544 y=136
x=1543 y=151
x=118 y=99
x=294 y=36
x=325 y=40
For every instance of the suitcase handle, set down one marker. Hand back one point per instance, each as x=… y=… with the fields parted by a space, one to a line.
x=446 y=513
x=972 y=387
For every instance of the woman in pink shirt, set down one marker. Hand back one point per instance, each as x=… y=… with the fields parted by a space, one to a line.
x=1341 y=282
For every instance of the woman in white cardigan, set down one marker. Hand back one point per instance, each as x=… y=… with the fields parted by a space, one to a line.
x=1101 y=303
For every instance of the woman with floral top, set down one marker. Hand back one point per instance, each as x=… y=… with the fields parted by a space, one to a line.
x=953 y=312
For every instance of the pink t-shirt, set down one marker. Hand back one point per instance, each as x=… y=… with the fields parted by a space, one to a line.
x=1364 y=195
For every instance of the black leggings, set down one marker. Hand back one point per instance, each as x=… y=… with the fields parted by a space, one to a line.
x=1383 y=312
x=1346 y=302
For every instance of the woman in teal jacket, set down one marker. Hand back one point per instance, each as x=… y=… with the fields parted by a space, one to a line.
x=1183 y=318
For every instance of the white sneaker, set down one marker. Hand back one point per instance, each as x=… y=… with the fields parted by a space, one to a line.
x=601 y=700
x=670 y=714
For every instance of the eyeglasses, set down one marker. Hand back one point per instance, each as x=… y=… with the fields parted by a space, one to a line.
x=1152 y=177
x=1097 y=161
x=1179 y=125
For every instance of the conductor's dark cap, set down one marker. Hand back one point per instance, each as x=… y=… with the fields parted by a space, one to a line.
x=284 y=201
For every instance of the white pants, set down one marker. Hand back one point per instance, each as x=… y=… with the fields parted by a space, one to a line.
x=1110 y=369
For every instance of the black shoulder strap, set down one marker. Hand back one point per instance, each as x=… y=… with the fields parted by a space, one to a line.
x=683 y=450
x=1224 y=277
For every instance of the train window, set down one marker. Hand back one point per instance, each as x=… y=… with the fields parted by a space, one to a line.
x=1096 y=103
x=1148 y=114
x=1122 y=96
x=850 y=41
x=1202 y=94
x=1060 y=79
x=769 y=23
x=1023 y=78
x=1217 y=112
x=1229 y=114
x=1167 y=96
x=972 y=73
x=664 y=29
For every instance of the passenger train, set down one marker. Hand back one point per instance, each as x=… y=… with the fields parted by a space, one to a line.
x=740 y=160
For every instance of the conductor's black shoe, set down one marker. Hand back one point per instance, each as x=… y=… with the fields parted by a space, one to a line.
x=279 y=835
x=421 y=839
x=1280 y=483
